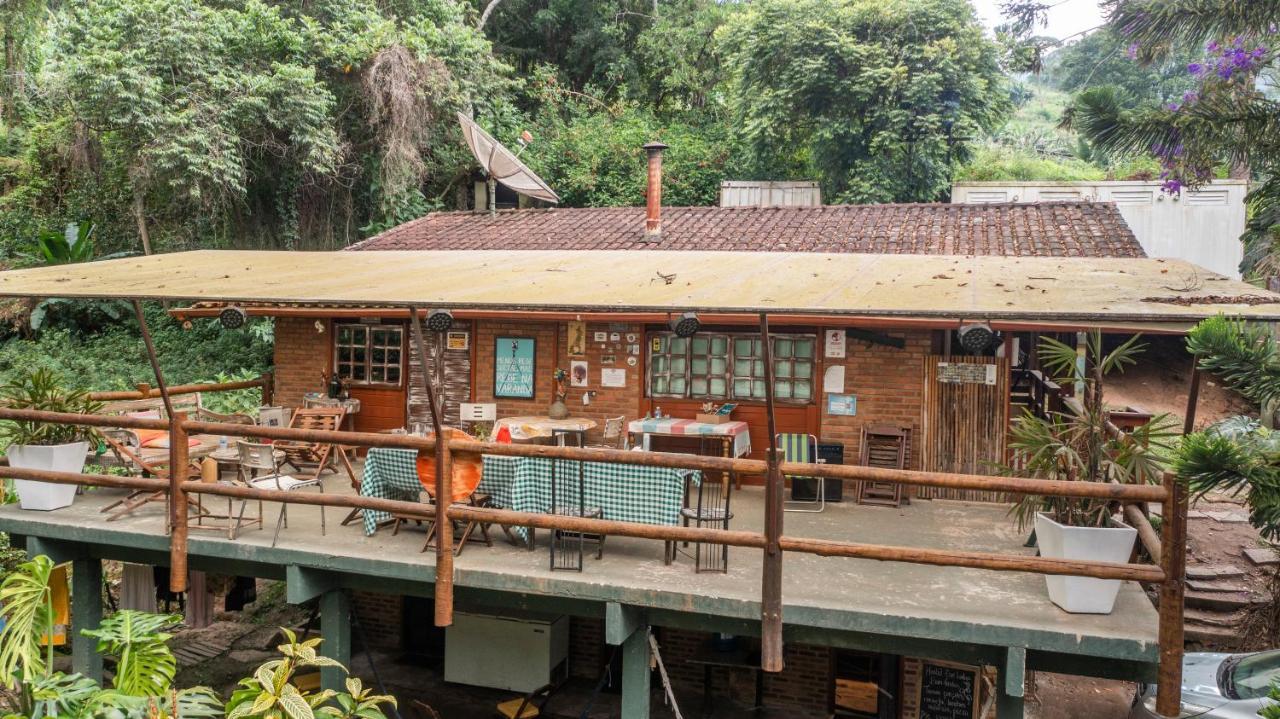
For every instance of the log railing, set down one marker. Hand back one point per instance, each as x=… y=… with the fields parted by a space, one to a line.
x=1168 y=575
x=144 y=390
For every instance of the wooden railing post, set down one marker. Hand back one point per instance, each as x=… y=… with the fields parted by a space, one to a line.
x=179 y=456
x=268 y=388
x=444 y=485
x=771 y=659
x=1173 y=561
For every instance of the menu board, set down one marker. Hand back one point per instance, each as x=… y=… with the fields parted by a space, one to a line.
x=963 y=373
x=948 y=691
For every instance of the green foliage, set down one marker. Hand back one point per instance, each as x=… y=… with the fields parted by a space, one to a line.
x=1102 y=58
x=1238 y=456
x=26 y=605
x=994 y=163
x=1241 y=354
x=270 y=693
x=1077 y=445
x=42 y=390
x=75 y=244
x=146 y=666
x=867 y=96
x=236 y=401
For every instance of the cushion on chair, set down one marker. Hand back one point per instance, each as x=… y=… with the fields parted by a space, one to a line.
x=286 y=482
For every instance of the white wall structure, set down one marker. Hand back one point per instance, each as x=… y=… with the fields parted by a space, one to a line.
x=765 y=193
x=1201 y=226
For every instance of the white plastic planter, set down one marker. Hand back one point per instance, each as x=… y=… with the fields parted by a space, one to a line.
x=57 y=458
x=1084 y=595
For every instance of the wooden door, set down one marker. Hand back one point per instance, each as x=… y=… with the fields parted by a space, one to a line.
x=450 y=368
x=965 y=420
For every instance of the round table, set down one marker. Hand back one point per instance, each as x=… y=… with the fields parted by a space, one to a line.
x=534 y=427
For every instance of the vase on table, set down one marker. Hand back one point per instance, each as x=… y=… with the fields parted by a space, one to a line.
x=558 y=409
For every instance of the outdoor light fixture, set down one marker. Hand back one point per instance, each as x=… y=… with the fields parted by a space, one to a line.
x=439 y=320
x=233 y=318
x=686 y=325
x=975 y=339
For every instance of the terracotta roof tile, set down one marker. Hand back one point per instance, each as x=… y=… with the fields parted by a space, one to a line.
x=1046 y=229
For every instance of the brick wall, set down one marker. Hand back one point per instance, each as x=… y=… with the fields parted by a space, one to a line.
x=587 y=651
x=552 y=352
x=380 y=617
x=802 y=686
x=889 y=385
x=301 y=355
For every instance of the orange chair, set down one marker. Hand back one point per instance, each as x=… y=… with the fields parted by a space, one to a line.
x=467 y=472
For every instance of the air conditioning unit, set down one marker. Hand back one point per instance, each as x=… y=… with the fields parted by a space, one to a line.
x=513 y=653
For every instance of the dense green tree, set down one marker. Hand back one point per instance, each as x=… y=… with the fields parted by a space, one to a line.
x=871 y=98
x=1104 y=57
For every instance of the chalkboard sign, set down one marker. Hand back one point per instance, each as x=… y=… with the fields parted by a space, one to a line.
x=948 y=691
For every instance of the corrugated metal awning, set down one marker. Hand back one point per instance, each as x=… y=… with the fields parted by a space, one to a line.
x=1033 y=289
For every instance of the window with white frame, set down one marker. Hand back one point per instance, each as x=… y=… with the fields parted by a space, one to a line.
x=369 y=354
x=730 y=366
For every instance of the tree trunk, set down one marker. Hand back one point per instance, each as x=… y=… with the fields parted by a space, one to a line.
x=140 y=215
x=488 y=10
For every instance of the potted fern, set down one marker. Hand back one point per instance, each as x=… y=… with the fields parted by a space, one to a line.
x=45 y=445
x=1080 y=444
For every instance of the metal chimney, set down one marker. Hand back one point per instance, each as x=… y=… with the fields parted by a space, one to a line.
x=653 y=195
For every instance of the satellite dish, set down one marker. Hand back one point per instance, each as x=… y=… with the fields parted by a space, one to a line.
x=502 y=165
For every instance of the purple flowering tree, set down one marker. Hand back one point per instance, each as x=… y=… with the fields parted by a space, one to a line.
x=1225 y=121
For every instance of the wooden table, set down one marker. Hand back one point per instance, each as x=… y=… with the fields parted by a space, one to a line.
x=535 y=427
x=733 y=437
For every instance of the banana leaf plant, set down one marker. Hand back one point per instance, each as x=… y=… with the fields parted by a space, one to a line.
x=1079 y=443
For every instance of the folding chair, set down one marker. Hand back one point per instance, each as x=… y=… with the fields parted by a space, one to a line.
x=883 y=446
x=255 y=457
x=305 y=456
x=803 y=448
x=127 y=449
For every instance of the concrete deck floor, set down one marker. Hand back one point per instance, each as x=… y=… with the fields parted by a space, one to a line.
x=884 y=598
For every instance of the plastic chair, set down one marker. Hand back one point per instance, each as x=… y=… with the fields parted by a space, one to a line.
x=802 y=448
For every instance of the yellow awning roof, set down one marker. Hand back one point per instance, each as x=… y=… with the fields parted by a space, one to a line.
x=1036 y=289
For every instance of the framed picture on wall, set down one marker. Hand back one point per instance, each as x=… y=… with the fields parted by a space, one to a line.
x=513 y=367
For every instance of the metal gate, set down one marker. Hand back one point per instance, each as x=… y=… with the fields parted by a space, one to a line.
x=966 y=419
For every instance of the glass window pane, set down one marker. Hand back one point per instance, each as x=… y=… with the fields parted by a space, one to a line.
x=742 y=347
x=804 y=370
x=719 y=345
x=742 y=368
x=742 y=388
x=677 y=365
x=357 y=373
x=782 y=368
x=660 y=363
x=359 y=354
x=802 y=390
x=698 y=386
x=782 y=347
x=719 y=365
x=679 y=345
x=804 y=348
x=344 y=335
x=379 y=355
x=698 y=365
x=377 y=373
x=660 y=385
x=677 y=385
x=782 y=389
x=757 y=388
x=700 y=345
x=757 y=368
x=393 y=375
x=393 y=356
x=718 y=387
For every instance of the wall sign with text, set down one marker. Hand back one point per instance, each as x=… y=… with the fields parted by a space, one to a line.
x=513 y=367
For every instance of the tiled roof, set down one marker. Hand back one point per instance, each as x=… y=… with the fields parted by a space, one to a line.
x=1046 y=229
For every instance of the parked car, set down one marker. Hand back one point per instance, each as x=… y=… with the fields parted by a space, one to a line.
x=1218 y=686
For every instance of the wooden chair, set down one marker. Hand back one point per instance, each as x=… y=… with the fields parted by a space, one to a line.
x=883 y=446
x=317 y=456
x=615 y=434
x=467 y=472
x=125 y=446
x=255 y=457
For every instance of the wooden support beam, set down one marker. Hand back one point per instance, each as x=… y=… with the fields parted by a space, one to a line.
x=636 y=656
x=86 y=613
x=444 y=483
x=1146 y=533
x=1172 y=590
x=621 y=621
x=335 y=627
x=1193 y=398
x=179 y=453
x=771 y=657
x=302 y=584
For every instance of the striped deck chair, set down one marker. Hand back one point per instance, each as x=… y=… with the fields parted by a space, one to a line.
x=797 y=447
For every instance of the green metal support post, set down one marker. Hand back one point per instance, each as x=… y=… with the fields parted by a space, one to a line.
x=635 y=675
x=335 y=627
x=86 y=613
x=1011 y=684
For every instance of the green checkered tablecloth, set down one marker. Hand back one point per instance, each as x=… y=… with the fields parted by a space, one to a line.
x=388 y=474
x=623 y=492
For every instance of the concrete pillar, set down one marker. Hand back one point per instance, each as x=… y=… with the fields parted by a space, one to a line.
x=86 y=613
x=635 y=674
x=335 y=627
x=1011 y=684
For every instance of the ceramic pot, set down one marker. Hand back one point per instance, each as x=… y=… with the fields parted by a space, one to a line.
x=1084 y=595
x=45 y=496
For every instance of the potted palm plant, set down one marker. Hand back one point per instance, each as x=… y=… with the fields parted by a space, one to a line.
x=1080 y=444
x=45 y=445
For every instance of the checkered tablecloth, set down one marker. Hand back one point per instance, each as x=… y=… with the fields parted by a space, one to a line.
x=388 y=474
x=623 y=492
x=682 y=427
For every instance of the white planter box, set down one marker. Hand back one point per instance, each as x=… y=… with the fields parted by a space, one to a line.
x=1084 y=595
x=57 y=458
